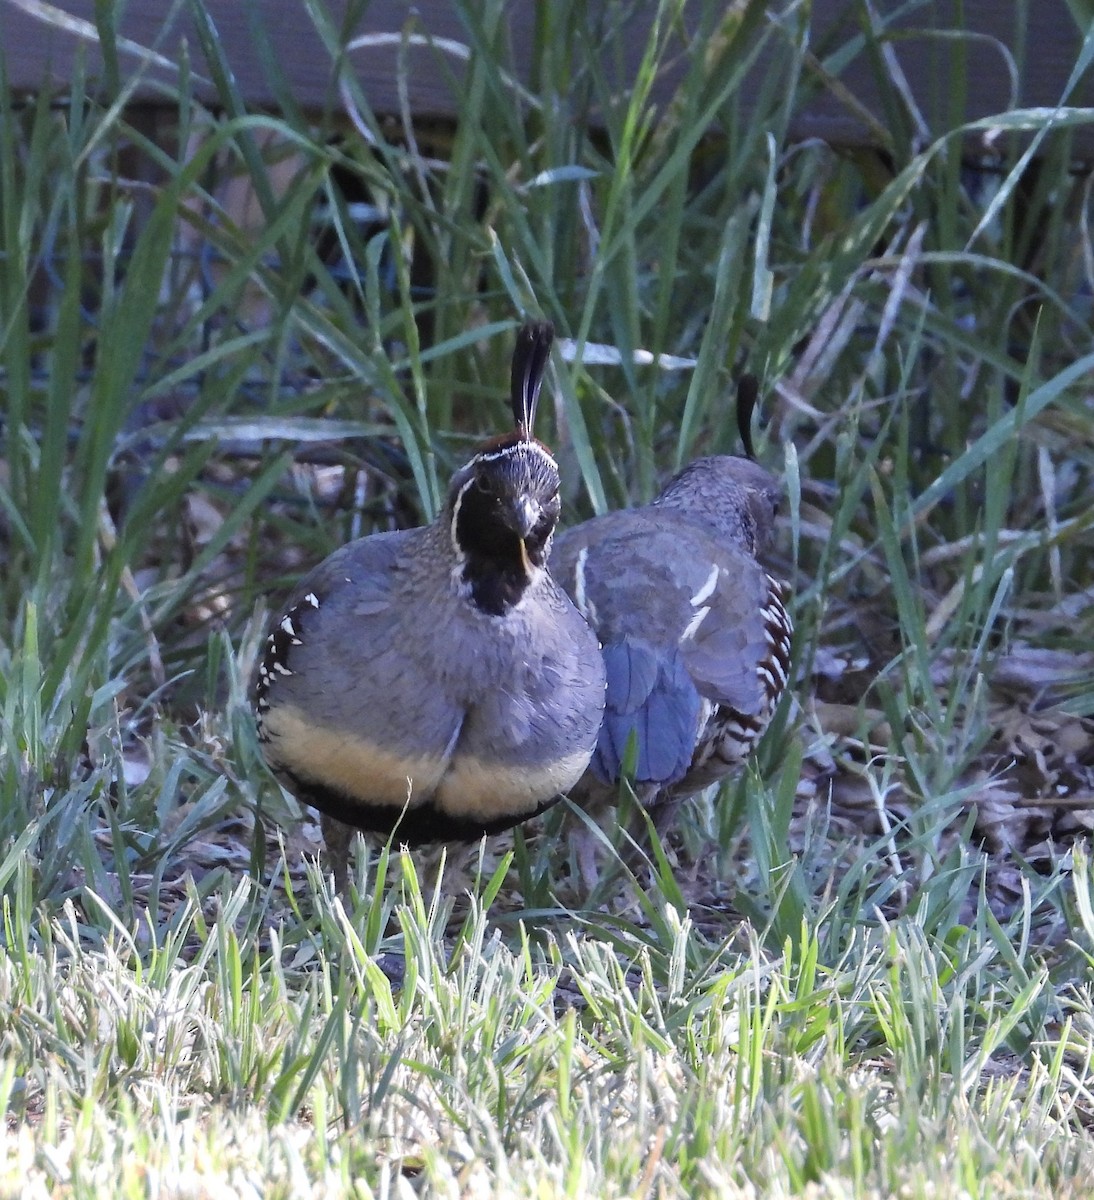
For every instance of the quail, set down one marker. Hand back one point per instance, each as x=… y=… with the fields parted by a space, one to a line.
x=695 y=632
x=436 y=684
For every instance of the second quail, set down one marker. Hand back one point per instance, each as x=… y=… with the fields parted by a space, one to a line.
x=695 y=632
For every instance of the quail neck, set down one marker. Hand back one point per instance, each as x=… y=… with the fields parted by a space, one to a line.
x=502 y=510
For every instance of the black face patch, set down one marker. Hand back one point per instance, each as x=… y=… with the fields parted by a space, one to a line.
x=505 y=508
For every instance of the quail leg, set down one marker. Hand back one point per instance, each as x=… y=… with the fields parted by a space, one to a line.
x=586 y=852
x=338 y=839
x=621 y=823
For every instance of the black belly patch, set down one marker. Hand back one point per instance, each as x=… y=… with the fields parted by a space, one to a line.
x=418 y=826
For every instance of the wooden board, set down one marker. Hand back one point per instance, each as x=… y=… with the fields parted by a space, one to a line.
x=1041 y=39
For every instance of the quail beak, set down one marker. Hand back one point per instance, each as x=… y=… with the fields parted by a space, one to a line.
x=524 y=515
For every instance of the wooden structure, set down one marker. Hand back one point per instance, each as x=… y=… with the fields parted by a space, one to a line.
x=41 y=40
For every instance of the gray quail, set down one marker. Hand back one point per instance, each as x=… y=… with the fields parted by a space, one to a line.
x=695 y=633
x=436 y=683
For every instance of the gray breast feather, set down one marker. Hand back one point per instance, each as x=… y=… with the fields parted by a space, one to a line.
x=391 y=650
x=361 y=668
x=548 y=692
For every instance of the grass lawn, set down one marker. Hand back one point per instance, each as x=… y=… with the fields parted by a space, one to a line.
x=232 y=341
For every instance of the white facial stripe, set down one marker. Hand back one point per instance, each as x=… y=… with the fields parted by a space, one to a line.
x=461 y=558
x=515 y=448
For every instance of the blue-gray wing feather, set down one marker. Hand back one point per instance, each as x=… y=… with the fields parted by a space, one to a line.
x=650 y=696
x=674 y=635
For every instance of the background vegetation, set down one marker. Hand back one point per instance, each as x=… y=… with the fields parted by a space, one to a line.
x=865 y=967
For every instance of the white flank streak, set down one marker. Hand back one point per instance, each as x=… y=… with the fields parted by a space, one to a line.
x=694 y=623
x=706 y=591
x=579 y=581
x=600 y=354
x=312 y=599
